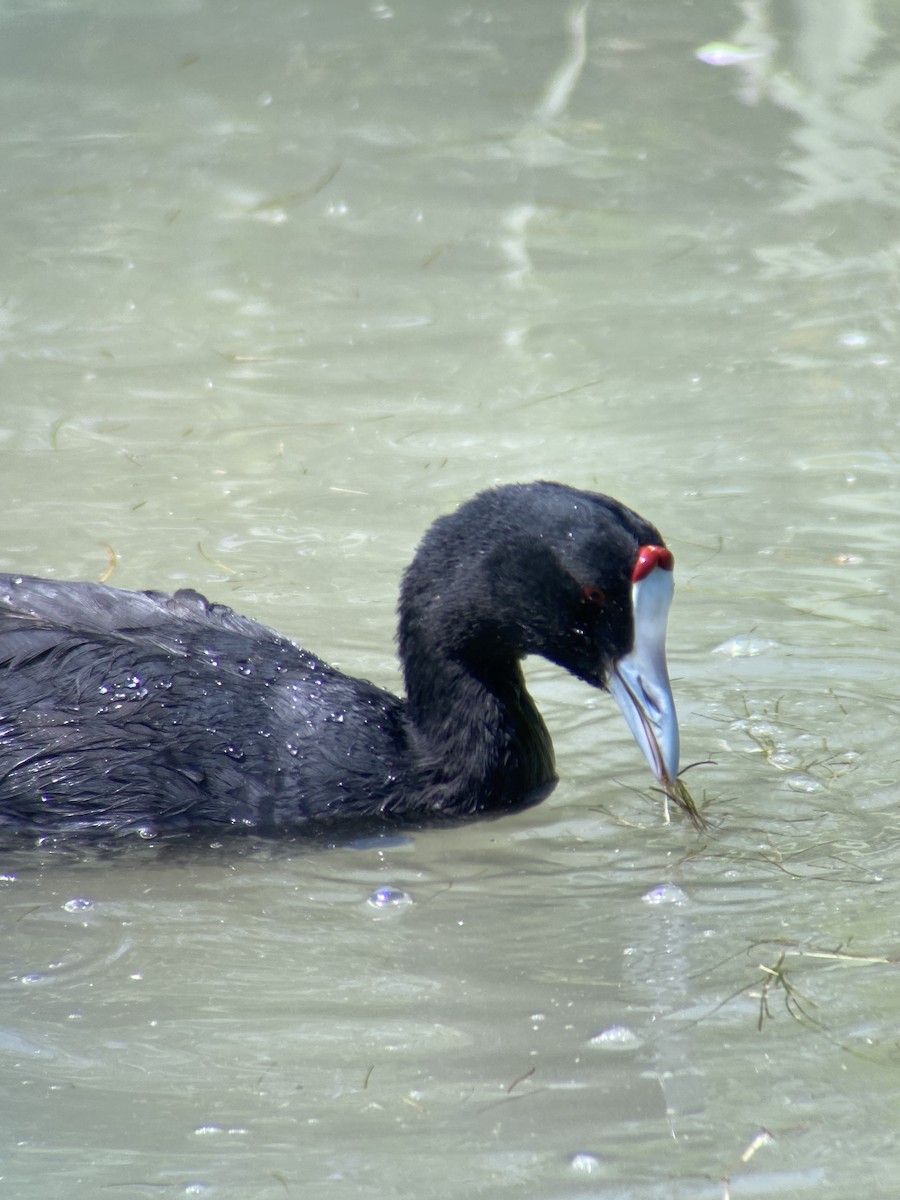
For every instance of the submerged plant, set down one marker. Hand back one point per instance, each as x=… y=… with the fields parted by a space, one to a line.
x=778 y=977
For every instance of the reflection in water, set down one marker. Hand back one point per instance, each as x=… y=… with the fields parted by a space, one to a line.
x=535 y=144
x=844 y=98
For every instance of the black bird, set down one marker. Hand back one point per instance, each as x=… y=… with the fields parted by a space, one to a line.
x=126 y=712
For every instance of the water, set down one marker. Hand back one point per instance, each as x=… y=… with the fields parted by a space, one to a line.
x=284 y=282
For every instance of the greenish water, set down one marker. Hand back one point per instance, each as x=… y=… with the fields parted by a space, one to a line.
x=283 y=283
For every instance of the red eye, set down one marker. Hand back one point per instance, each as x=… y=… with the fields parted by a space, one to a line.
x=649 y=558
x=591 y=594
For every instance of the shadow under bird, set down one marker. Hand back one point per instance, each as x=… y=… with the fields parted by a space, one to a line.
x=124 y=712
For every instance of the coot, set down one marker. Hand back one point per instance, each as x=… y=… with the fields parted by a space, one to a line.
x=143 y=712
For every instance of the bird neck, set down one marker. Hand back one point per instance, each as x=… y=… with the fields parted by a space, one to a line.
x=481 y=743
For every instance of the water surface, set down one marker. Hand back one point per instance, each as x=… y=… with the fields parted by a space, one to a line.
x=283 y=283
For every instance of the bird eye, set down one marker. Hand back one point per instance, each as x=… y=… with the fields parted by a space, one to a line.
x=593 y=595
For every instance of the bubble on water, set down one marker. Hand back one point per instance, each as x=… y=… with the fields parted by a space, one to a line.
x=197 y=1189
x=389 y=899
x=617 y=1037
x=839 y=560
x=208 y=1130
x=805 y=784
x=78 y=904
x=745 y=647
x=725 y=54
x=665 y=893
x=760 y=730
x=584 y=1162
x=783 y=759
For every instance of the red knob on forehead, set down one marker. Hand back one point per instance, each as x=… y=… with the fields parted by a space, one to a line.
x=649 y=558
